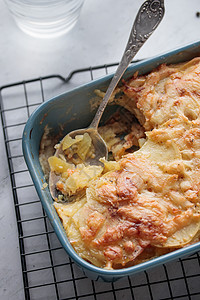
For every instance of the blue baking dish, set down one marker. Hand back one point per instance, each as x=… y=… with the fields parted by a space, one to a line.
x=72 y=110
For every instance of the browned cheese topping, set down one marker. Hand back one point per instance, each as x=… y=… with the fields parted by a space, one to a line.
x=149 y=202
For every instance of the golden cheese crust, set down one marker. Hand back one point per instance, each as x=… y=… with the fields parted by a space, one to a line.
x=149 y=204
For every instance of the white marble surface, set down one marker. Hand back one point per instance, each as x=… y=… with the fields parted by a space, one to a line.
x=99 y=37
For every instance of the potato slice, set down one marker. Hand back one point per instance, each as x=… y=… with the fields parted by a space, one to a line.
x=110 y=165
x=69 y=209
x=58 y=165
x=81 y=177
x=84 y=146
x=159 y=152
x=182 y=236
x=67 y=142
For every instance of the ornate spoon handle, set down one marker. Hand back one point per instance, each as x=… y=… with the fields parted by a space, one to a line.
x=148 y=18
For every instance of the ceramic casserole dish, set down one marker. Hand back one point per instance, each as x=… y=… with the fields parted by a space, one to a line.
x=72 y=110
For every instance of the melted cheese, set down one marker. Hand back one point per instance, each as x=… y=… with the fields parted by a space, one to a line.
x=151 y=199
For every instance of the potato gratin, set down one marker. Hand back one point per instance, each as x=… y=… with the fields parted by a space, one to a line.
x=145 y=202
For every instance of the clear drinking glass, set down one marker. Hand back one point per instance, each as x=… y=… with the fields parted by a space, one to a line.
x=45 y=18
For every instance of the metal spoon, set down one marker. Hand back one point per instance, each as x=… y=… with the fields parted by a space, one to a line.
x=148 y=18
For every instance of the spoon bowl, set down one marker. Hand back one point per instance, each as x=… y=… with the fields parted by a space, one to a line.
x=100 y=150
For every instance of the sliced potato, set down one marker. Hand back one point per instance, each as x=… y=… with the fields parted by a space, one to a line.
x=58 y=165
x=81 y=177
x=84 y=146
x=110 y=165
x=67 y=142
x=182 y=236
x=69 y=209
x=159 y=152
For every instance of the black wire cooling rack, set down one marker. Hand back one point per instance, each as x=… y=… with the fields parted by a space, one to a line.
x=48 y=273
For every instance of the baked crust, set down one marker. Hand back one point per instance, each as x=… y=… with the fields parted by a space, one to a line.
x=149 y=204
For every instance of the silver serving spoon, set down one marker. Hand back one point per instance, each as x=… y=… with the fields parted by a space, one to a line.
x=148 y=18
